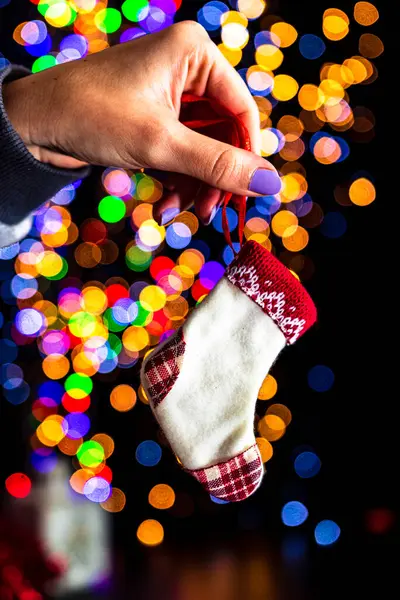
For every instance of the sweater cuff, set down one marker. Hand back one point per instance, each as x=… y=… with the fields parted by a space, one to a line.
x=25 y=183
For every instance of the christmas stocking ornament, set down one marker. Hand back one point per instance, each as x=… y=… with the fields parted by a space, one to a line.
x=202 y=383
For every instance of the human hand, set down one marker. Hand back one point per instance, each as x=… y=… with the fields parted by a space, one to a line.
x=121 y=107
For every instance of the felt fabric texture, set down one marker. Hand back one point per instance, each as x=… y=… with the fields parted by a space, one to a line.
x=203 y=382
x=230 y=345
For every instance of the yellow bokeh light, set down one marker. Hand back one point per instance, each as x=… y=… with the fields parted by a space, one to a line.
x=265 y=448
x=123 y=397
x=268 y=388
x=192 y=259
x=297 y=241
x=294 y=186
x=135 y=338
x=162 y=496
x=82 y=324
x=233 y=16
x=152 y=298
x=357 y=69
x=51 y=431
x=286 y=33
x=142 y=395
x=233 y=55
x=94 y=300
x=310 y=97
x=339 y=73
x=56 y=239
x=55 y=366
x=50 y=264
x=335 y=24
x=86 y=362
x=58 y=14
x=284 y=223
x=150 y=533
x=271 y=427
x=269 y=56
x=362 y=192
x=285 y=88
x=332 y=91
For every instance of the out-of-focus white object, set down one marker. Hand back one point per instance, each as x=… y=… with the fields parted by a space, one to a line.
x=75 y=531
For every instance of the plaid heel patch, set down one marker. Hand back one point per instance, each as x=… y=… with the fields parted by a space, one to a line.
x=235 y=479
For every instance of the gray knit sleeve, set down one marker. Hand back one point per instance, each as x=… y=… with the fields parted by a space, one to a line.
x=25 y=183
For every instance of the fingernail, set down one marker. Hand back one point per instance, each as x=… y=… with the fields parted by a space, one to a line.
x=212 y=215
x=265 y=181
x=168 y=215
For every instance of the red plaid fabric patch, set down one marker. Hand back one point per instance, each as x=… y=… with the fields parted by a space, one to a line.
x=163 y=366
x=235 y=479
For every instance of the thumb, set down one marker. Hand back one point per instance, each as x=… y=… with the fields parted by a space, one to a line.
x=220 y=165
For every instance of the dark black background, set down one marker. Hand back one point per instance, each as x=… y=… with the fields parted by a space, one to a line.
x=351 y=427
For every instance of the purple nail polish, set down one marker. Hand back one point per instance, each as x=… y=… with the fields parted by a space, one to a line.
x=169 y=214
x=266 y=182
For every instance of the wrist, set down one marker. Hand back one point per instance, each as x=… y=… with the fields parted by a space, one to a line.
x=26 y=102
x=17 y=108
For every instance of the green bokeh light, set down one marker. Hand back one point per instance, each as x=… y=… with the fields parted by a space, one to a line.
x=79 y=381
x=142 y=316
x=138 y=260
x=135 y=10
x=44 y=62
x=112 y=209
x=90 y=454
x=108 y=20
x=115 y=343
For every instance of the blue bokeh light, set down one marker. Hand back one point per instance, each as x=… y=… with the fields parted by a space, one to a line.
x=327 y=533
x=307 y=464
x=320 y=378
x=311 y=46
x=294 y=513
x=148 y=453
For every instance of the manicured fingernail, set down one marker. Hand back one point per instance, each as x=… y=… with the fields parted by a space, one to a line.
x=212 y=215
x=265 y=181
x=169 y=214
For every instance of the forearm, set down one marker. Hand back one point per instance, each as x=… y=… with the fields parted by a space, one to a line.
x=25 y=182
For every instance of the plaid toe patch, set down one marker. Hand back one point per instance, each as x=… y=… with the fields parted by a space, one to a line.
x=162 y=369
x=235 y=479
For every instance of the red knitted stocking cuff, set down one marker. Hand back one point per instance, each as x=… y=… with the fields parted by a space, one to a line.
x=271 y=285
